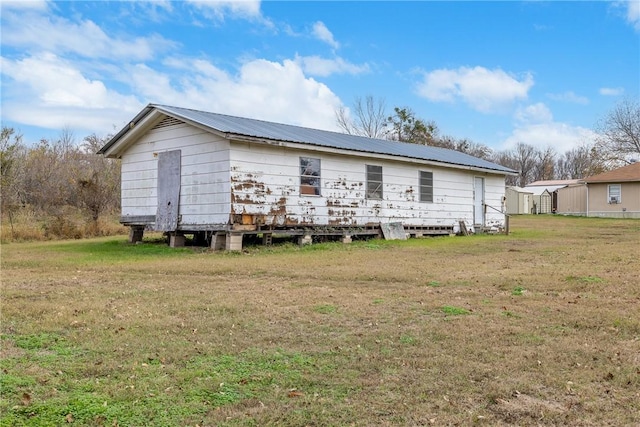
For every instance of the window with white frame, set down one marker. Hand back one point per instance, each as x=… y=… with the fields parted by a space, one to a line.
x=426 y=186
x=614 y=193
x=309 y=176
x=374 y=182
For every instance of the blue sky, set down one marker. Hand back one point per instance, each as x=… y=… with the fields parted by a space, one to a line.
x=496 y=73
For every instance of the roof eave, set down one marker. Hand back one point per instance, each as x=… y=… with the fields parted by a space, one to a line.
x=611 y=181
x=110 y=148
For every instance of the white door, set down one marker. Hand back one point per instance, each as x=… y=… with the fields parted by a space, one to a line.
x=525 y=205
x=478 y=201
x=168 y=190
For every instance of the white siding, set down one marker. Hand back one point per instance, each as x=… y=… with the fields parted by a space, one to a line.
x=494 y=199
x=204 y=194
x=265 y=181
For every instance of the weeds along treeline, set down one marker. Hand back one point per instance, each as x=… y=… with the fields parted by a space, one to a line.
x=57 y=189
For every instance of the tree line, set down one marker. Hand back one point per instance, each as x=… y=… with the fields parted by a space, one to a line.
x=60 y=186
x=618 y=141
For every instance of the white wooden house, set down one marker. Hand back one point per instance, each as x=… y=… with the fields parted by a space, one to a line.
x=221 y=177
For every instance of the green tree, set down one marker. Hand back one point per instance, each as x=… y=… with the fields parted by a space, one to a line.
x=465 y=146
x=404 y=126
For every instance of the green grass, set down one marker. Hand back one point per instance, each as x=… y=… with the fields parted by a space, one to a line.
x=146 y=391
x=585 y=279
x=431 y=331
x=518 y=291
x=325 y=309
x=454 y=311
x=83 y=253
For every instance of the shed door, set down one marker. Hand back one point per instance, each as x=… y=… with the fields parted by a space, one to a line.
x=545 y=203
x=525 y=204
x=478 y=201
x=168 y=190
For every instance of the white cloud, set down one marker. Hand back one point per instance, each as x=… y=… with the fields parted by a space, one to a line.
x=24 y=4
x=51 y=92
x=569 y=96
x=69 y=72
x=611 y=91
x=217 y=10
x=536 y=113
x=559 y=136
x=633 y=13
x=321 y=32
x=60 y=35
x=534 y=125
x=261 y=89
x=483 y=89
x=318 y=66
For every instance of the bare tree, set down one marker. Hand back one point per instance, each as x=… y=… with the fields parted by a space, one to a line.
x=544 y=168
x=507 y=159
x=48 y=183
x=10 y=149
x=369 y=119
x=619 y=132
x=55 y=180
x=12 y=154
x=97 y=179
x=523 y=159
x=579 y=162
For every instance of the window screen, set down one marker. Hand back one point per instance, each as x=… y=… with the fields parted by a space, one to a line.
x=374 y=182
x=309 y=176
x=615 y=193
x=426 y=186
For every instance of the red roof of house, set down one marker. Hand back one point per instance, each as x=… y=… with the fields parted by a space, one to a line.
x=624 y=174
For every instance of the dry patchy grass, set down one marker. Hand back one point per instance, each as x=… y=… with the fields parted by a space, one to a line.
x=541 y=327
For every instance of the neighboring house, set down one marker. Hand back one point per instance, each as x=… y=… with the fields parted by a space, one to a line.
x=220 y=177
x=518 y=200
x=545 y=194
x=615 y=193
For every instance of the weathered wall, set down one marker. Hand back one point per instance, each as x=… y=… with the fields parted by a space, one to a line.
x=265 y=182
x=204 y=193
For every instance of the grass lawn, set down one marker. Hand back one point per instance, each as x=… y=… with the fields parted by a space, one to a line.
x=541 y=327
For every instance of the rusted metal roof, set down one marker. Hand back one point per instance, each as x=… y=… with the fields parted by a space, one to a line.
x=240 y=126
